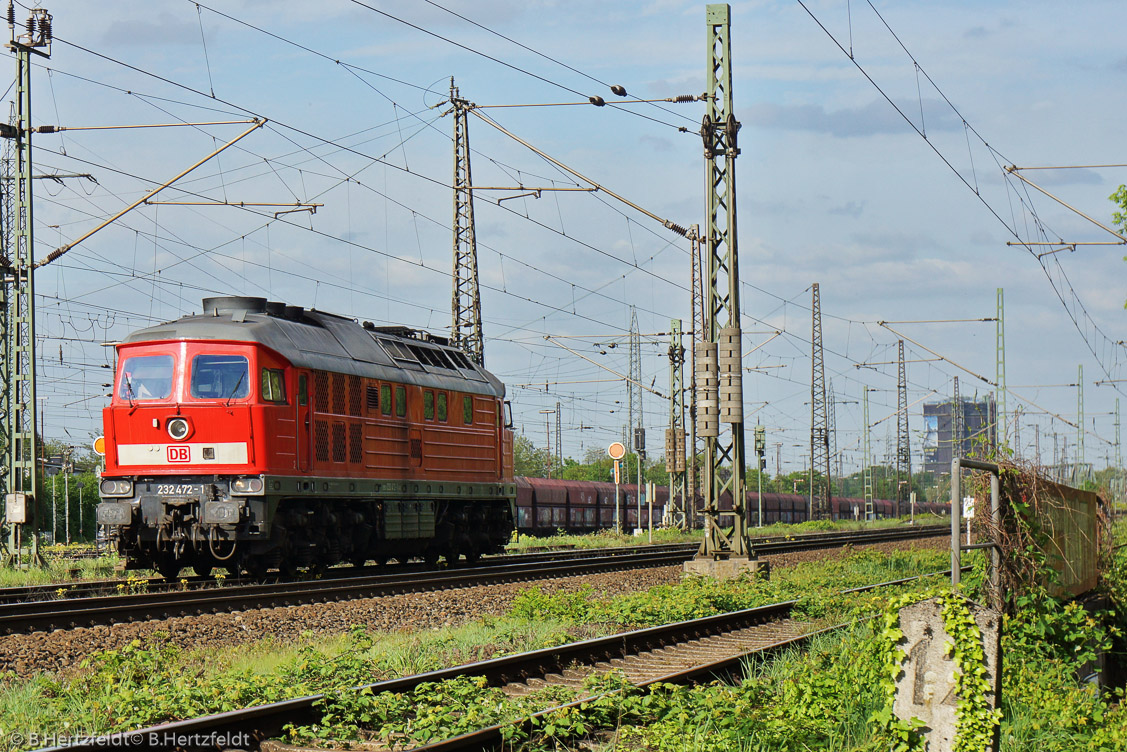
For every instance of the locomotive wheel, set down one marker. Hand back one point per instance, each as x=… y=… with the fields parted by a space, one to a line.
x=430 y=558
x=472 y=555
x=203 y=570
x=451 y=556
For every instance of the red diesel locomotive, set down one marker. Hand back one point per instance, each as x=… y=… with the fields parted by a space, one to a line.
x=259 y=435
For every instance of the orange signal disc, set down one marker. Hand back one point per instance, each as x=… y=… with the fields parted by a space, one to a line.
x=616 y=450
x=100 y=445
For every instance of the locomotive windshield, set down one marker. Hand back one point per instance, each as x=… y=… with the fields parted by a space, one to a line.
x=146 y=377
x=220 y=377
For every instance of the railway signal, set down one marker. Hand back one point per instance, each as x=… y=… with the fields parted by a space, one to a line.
x=617 y=451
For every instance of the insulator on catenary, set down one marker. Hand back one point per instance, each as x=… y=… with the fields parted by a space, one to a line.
x=676 y=228
x=597 y=101
x=681 y=98
x=619 y=90
x=11 y=15
x=46 y=29
x=31 y=26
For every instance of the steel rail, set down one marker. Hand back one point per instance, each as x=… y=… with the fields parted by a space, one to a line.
x=81 y=588
x=266 y=721
x=21 y=617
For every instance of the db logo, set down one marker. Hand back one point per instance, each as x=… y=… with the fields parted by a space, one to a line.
x=178 y=454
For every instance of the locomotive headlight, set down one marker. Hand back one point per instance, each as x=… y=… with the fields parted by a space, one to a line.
x=115 y=487
x=179 y=429
x=247 y=486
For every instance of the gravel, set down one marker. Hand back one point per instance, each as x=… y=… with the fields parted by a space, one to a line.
x=62 y=651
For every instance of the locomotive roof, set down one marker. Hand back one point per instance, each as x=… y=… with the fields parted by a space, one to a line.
x=327 y=342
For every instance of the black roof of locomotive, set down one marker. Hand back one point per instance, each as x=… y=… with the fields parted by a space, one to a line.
x=324 y=341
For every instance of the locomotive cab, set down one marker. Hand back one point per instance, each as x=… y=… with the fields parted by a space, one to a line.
x=181 y=466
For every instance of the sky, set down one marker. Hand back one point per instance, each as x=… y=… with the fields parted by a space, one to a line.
x=874 y=146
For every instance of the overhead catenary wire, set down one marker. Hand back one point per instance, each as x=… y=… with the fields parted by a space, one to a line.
x=1012 y=228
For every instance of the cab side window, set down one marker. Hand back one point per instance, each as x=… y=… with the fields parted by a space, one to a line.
x=440 y=408
x=221 y=377
x=467 y=410
x=401 y=401
x=428 y=405
x=385 y=399
x=273 y=385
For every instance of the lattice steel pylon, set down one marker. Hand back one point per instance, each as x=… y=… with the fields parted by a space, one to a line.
x=559 y=437
x=903 y=439
x=1002 y=436
x=719 y=360
x=1079 y=420
x=23 y=429
x=831 y=427
x=465 y=305
x=634 y=390
x=819 y=423
x=675 y=434
x=1118 y=453
x=867 y=456
x=956 y=421
x=7 y=214
x=695 y=337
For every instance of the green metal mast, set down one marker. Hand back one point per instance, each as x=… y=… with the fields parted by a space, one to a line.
x=1002 y=436
x=819 y=423
x=1079 y=422
x=719 y=361
x=957 y=415
x=675 y=434
x=867 y=458
x=1118 y=455
x=21 y=497
x=903 y=438
x=7 y=181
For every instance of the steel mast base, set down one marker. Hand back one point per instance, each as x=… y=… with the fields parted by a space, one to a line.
x=727 y=568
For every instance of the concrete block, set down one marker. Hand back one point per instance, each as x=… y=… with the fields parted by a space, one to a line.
x=925 y=688
x=727 y=569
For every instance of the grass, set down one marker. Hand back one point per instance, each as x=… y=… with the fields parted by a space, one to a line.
x=153 y=682
x=149 y=683
x=815 y=585
x=144 y=684
x=610 y=539
x=64 y=571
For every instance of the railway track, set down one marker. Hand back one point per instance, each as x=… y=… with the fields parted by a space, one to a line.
x=71 y=612
x=119 y=586
x=677 y=653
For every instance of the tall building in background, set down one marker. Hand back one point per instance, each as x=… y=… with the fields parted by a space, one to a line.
x=979 y=429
